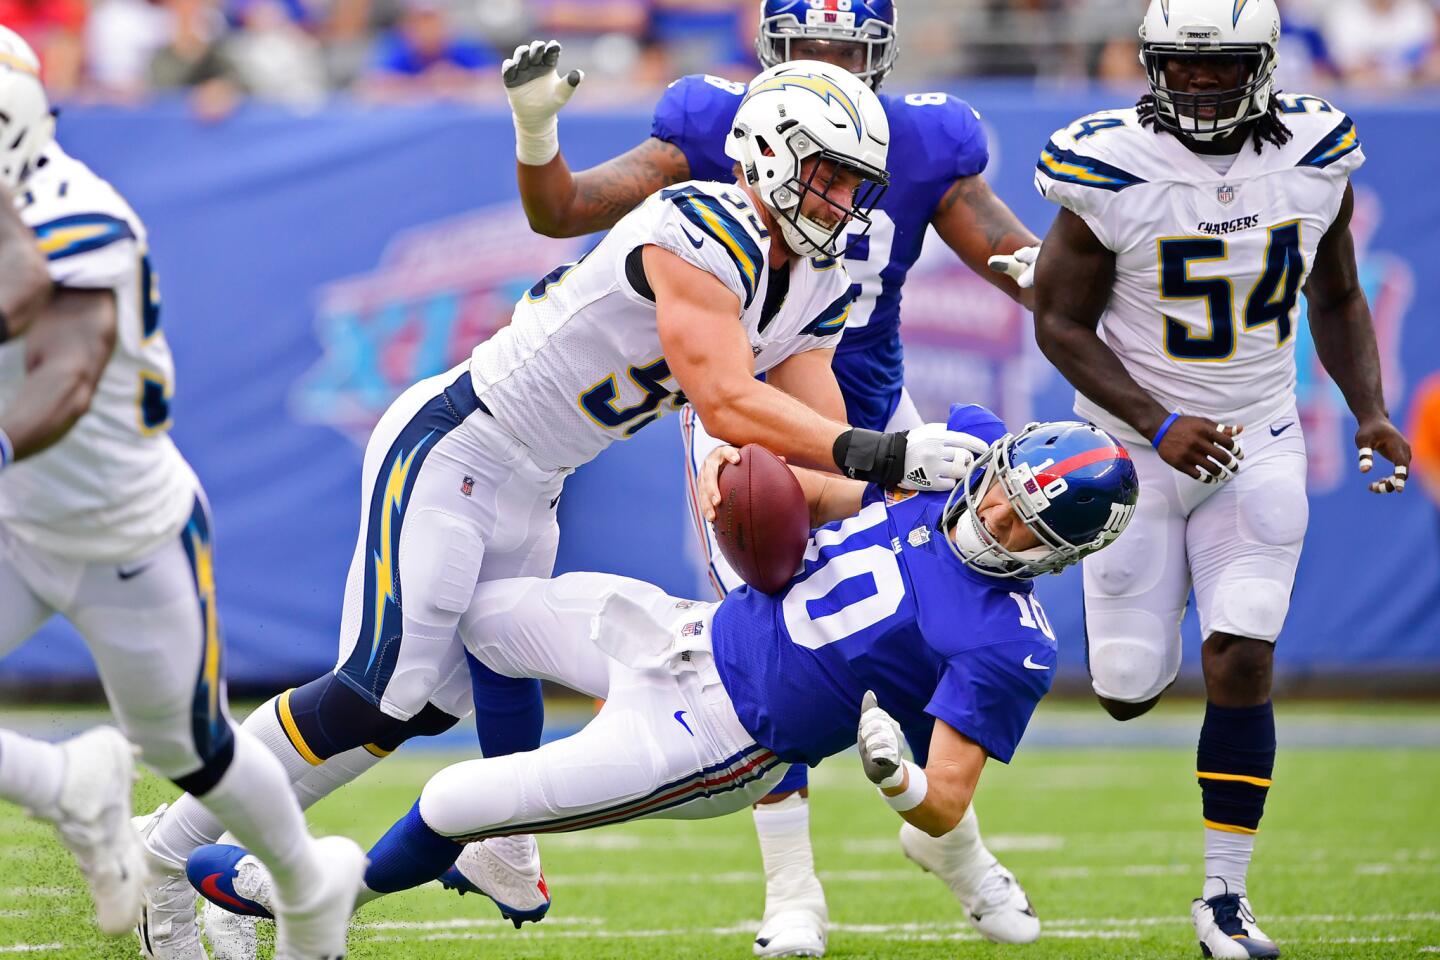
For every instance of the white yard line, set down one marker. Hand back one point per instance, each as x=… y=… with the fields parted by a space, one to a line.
x=894 y=933
x=32 y=948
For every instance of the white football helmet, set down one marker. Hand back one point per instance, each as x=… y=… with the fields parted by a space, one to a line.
x=1249 y=29
x=26 y=124
x=805 y=109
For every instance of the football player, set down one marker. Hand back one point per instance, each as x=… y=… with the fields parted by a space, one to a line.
x=936 y=178
x=707 y=703
x=82 y=786
x=1189 y=226
x=103 y=522
x=698 y=290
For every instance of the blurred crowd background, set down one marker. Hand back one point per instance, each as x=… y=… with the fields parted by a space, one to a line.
x=299 y=52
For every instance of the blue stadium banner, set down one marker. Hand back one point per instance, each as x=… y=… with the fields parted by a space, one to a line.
x=312 y=267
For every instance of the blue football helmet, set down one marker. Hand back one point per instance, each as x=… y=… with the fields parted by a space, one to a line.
x=1071 y=483
x=870 y=23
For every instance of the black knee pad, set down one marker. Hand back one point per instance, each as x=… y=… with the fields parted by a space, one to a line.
x=427 y=723
x=333 y=718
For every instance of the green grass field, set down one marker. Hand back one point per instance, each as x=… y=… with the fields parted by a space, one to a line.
x=1105 y=838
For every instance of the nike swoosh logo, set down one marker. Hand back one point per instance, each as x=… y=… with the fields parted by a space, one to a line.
x=1276 y=431
x=1032 y=665
x=697 y=244
x=211 y=888
x=132 y=573
x=680 y=718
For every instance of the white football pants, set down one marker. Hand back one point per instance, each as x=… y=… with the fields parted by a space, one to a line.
x=667 y=742
x=1238 y=544
x=152 y=627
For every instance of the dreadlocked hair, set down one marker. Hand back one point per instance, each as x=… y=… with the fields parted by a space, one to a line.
x=1268 y=129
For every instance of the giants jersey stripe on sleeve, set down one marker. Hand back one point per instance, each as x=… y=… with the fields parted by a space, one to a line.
x=80 y=233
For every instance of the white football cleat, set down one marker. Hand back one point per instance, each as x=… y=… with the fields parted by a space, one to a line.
x=1226 y=928
x=230 y=935
x=167 y=929
x=792 y=933
x=1000 y=911
x=316 y=928
x=92 y=815
x=507 y=870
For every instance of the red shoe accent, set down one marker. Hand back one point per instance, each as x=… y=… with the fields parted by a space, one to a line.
x=209 y=887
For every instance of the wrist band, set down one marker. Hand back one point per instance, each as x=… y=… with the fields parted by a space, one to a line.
x=1164 y=427
x=536 y=146
x=7 y=451
x=871 y=456
x=914 y=794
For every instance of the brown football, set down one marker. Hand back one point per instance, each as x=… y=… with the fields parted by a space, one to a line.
x=762 y=523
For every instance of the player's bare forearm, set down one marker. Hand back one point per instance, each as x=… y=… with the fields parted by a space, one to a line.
x=698 y=320
x=810 y=378
x=25 y=285
x=1073 y=280
x=952 y=772
x=739 y=409
x=66 y=351
x=559 y=203
x=829 y=497
x=977 y=225
x=1340 y=319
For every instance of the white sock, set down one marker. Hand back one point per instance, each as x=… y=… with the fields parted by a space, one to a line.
x=189 y=824
x=966 y=858
x=784 y=832
x=1227 y=860
x=264 y=725
x=254 y=800
x=31 y=771
x=319 y=782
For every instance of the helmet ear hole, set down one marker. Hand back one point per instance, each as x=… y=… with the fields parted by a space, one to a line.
x=763 y=146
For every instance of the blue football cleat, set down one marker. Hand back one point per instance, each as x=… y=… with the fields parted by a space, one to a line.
x=231 y=878
x=507 y=870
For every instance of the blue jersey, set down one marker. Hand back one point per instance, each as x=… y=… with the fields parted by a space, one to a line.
x=935 y=139
x=883 y=604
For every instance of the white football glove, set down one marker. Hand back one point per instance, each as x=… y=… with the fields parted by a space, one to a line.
x=879 y=742
x=537 y=92
x=1019 y=266
x=937 y=458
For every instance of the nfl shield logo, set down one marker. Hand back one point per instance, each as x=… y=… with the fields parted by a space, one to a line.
x=1225 y=193
x=467 y=485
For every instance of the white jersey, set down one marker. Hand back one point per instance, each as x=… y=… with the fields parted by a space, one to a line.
x=114 y=487
x=581 y=366
x=1208 y=266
